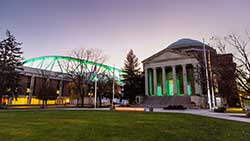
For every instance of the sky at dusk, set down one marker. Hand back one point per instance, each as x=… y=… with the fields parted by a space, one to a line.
x=55 y=27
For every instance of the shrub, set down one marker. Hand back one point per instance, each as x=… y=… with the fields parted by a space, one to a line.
x=220 y=109
x=151 y=109
x=175 y=107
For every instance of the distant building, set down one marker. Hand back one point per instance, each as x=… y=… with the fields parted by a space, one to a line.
x=176 y=76
x=35 y=70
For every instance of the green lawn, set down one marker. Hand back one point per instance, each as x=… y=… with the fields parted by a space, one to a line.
x=106 y=125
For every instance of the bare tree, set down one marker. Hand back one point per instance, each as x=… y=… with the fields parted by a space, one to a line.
x=83 y=68
x=105 y=89
x=241 y=45
x=45 y=90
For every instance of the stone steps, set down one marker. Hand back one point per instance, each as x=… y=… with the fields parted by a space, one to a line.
x=164 y=101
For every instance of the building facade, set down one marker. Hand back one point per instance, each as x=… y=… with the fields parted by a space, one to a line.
x=178 y=72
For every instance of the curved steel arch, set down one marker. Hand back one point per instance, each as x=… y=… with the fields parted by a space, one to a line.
x=55 y=64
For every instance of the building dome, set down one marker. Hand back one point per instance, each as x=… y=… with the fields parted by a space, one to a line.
x=185 y=42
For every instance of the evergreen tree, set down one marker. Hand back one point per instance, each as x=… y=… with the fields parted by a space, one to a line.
x=134 y=80
x=10 y=62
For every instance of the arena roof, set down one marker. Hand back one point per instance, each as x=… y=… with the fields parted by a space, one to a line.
x=57 y=64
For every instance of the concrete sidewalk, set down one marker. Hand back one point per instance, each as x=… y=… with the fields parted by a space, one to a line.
x=207 y=113
x=202 y=112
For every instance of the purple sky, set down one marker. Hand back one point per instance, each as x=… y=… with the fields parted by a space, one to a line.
x=55 y=27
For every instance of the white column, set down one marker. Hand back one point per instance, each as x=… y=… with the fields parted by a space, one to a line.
x=155 y=81
x=164 y=81
x=174 y=78
x=146 y=81
x=32 y=84
x=197 y=86
x=184 y=73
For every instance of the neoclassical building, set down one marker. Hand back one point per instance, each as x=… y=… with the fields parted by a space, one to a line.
x=171 y=73
x=176 y=74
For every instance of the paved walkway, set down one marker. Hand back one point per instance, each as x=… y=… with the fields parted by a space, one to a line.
x=202 y=112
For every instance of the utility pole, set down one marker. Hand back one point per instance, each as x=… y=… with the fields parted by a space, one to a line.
x=207 y=77
x=113 y=87
x=211 y=79
x=95 y=93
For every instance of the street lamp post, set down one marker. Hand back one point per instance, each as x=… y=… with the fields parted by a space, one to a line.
x=207 y=77
x=113 y=88
x=95 y=93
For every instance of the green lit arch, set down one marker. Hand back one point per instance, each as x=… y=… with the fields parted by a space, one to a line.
x=55 y=64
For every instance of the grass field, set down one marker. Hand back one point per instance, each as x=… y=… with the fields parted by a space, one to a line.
x=106 y=125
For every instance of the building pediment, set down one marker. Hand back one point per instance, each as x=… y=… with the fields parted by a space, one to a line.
x=167 y=55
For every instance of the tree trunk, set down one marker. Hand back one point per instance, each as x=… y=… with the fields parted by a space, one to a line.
x=77 y=102
x=1 y=104
x=111 y=101
x=42 y=106
x=100 y=100
x=45 y=106
x=82 y=101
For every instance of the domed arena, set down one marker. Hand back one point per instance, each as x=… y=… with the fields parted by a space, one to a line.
x=57 y=69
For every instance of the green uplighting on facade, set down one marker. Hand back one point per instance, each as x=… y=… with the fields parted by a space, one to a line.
x=169 y=83
x=150 y=75
x=159 y=84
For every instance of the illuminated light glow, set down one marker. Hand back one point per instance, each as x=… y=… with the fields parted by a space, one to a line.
x=169 y=84
x=5 y=100
x=159 y=83
x=234 y=109
x=67 y=100
x=170 y=87
x=20 y=101
x=8 y=90
x=216 y=90
x=190 y=81
x=178 y=86
x=95 y=78
x=54 y=63
x=189 y=89
x=36 y=101
x=51 y=102
x=24 y=101
x=90 y=94
x=130 y=109
x=28 y=90
x=159 y=90
x=57 y=91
